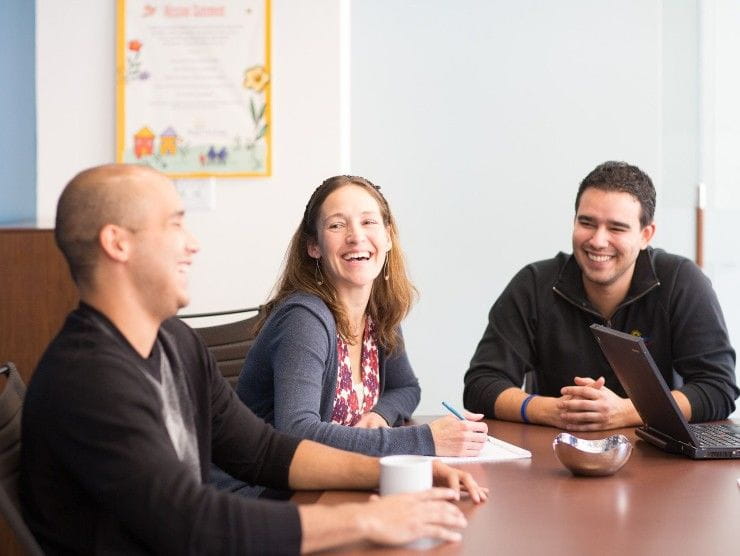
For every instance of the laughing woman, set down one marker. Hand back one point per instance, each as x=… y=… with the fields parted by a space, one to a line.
x=329 y=362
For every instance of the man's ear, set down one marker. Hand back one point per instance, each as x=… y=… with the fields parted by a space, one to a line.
x=313 y=250
x=115 y=242
x=647 y=234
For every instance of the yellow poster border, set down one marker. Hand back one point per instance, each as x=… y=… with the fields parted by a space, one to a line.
x=121 y=99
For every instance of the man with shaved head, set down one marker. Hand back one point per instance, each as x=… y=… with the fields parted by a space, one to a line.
x=94 y=198
x=127 y=410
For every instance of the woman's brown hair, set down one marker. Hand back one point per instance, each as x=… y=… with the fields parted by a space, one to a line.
x=390 y=300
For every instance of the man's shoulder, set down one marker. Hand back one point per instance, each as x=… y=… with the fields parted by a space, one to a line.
x=668 y=265
x=553 y=264
x=84 y=361
x=180 y=330
x=536 y=279
x=84 y=334
x=678 y=275
x=184 y=342
x=663 y=257
x=545 y=270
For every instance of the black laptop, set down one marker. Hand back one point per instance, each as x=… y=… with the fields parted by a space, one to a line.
x=664 y=424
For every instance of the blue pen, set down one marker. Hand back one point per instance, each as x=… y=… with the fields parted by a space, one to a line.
x=457 y=414
x=454 y=411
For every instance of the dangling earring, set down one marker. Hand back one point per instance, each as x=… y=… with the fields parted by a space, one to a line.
x=317 y=274
x=385 y=268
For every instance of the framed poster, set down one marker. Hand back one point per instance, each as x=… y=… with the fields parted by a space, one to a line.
x=193 y=87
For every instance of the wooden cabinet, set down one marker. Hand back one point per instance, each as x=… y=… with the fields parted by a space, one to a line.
x=36 y=293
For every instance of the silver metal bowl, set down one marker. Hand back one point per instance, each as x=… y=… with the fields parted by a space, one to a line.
x=592 y=457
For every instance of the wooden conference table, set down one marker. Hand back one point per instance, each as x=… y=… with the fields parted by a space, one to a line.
x=658 y=503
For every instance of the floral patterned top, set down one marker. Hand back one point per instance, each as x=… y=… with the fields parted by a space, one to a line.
x=353 y=400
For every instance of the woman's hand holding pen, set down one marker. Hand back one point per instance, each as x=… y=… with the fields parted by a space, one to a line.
x=455 y=437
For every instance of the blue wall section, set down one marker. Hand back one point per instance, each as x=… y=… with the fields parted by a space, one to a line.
x=17 y=111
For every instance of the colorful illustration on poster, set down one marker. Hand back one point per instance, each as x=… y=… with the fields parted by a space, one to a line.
x=193 y=87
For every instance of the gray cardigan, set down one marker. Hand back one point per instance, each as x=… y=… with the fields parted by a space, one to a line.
x=290 y=374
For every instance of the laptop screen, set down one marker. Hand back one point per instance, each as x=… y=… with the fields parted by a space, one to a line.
x=641 y=379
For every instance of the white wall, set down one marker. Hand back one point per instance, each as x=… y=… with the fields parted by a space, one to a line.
x=721 y=170
x=243 y=240
x=480 y=118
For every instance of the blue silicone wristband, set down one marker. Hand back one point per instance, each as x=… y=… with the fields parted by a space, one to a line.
x=523 y=409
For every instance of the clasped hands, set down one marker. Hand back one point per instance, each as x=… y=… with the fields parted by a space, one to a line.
x=588 y=405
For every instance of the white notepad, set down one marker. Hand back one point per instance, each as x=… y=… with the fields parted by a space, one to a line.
x=494 y=450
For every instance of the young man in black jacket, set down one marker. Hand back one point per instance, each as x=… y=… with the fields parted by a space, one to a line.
x=540 y=323
x=127 y=409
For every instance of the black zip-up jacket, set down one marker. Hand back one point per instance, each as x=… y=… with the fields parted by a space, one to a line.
x=540 y=325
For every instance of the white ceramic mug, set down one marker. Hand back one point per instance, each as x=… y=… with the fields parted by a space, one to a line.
x=405 y=474
x=399 y=474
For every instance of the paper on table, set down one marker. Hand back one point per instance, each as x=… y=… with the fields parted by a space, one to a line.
x=494 y=450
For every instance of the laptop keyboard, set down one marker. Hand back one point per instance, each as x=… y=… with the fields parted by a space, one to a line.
x=717 y=435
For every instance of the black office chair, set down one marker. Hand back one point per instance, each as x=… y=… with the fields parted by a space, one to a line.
x=11 y=403
x=230 y=342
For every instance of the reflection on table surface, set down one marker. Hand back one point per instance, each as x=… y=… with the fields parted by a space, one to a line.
x=658 y=503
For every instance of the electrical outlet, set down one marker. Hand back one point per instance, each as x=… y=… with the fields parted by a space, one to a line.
x=197 y=194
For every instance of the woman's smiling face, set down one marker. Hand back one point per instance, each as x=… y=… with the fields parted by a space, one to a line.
x=352 y=239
